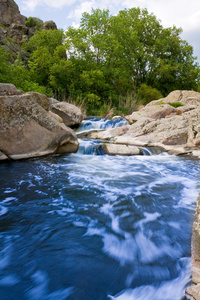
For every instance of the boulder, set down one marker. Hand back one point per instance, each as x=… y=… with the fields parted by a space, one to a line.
x=53 y=101
x=8 y=89
x=41 y=99
x=50 y=25
x=28 y=129
x=157 y=112
x=119 y=149
x=69 y=113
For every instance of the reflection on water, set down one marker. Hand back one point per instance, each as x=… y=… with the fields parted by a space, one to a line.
x=97 y=227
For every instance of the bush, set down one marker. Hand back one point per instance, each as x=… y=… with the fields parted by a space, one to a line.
x=30 y=86
x=33 y=22
x=146 y=94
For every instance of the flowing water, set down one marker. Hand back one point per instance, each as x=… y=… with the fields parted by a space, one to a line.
x=101 y=124
x=88 y=226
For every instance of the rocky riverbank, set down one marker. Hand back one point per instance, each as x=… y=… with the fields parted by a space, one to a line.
x=171 y=123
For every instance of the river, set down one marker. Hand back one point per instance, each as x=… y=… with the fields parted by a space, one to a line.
x=89 y=226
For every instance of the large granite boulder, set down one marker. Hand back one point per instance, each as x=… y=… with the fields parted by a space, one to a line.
x=69 y=113
x=29 y=129
x=175 y=129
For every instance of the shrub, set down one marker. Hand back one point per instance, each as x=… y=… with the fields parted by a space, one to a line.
x=146 y=94
x=33 y=22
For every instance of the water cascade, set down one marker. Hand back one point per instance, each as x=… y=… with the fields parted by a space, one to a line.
x=96 y=124
x=85 y=226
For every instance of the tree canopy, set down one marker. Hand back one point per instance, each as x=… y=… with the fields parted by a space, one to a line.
x=110 y=59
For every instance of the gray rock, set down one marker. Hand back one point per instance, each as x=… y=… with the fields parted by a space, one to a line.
x=9 y=13
x=119 y=149
x=28 y=130
x=193 y=292
x=8 y=89
x=53 y=101
x=41 y=99
x=50 y=25
x=17 y=32
x=70 y=114
x=159 y=124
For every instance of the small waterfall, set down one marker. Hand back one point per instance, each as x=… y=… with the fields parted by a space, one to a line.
x=96 y=147
x=95 y=124
x=151 y=150
x=90 y=147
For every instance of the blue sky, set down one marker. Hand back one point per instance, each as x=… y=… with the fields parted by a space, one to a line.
x=181 y=13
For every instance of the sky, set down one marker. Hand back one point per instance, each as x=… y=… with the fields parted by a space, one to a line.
x=65 y=13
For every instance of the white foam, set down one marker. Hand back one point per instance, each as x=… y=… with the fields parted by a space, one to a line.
x=123 y=250
x=3 y=210
x=9 y=199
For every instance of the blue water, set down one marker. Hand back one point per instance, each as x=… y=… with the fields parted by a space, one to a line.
x=97 y=227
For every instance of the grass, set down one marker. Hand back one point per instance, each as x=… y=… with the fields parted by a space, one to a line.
x=176 y=104
x=160 y=103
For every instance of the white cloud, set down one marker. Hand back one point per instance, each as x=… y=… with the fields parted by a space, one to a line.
x=76 y=13
x=181 y=13
x=30 y=5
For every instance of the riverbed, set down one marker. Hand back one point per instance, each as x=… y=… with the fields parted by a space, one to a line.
x=92 y=226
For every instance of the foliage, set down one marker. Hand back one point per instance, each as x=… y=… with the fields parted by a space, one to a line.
x=18 y=75
x=146 y=94
x=33 y=22
x=3 y=26
x=109 y=62
x=4 y=66
x=49 y=39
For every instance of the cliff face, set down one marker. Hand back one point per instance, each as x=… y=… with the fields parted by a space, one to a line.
x=14 y=28
x=10 y=14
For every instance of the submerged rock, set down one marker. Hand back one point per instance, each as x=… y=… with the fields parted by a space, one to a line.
x=29 y=129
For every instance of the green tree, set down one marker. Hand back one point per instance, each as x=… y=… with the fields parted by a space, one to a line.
x=112 y=59
x=132 y=48
x=49 y=39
